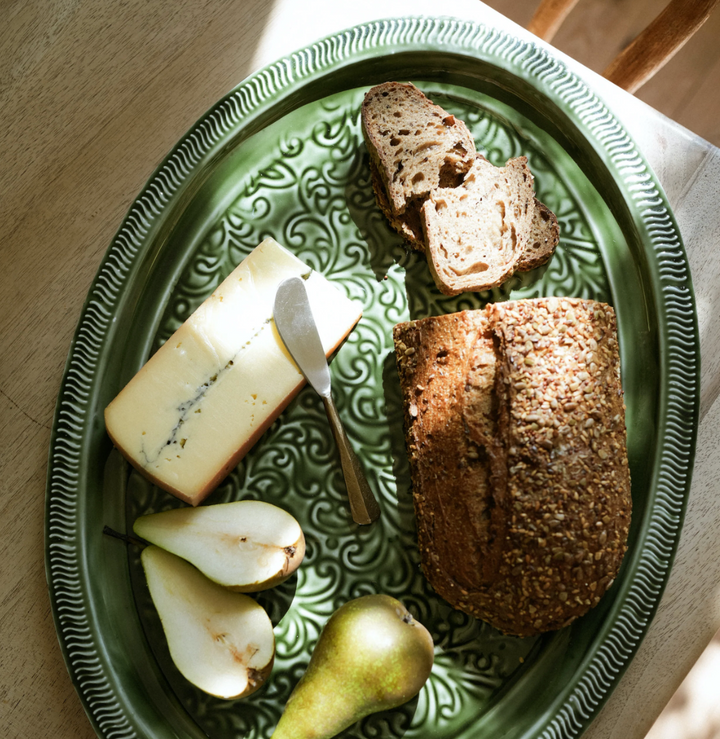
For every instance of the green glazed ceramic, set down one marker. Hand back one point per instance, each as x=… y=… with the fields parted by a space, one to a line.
x=282 y=155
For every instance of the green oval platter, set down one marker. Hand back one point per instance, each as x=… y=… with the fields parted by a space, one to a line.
x=282 y=155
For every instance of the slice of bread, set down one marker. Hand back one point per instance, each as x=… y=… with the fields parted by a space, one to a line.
x=476 y=223
x=515 y=432
x=408 y=224
x=476 y=234
x=542 y=241
x=540 y=246
x=415 y=145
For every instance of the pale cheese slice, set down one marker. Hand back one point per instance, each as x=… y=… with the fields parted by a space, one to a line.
x=207 y=395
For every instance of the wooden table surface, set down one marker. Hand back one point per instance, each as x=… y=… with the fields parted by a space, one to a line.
x=92 y=96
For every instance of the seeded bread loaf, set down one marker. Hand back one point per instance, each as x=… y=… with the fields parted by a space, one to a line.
x=516 y=438
x=415 y=145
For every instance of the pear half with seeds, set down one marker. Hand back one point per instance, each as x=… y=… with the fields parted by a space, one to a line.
x=246 y=546
x=222 y=642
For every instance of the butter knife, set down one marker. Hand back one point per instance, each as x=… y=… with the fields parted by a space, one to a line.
x=297 y=329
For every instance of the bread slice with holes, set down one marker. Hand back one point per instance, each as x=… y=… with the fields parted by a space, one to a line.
x=544 y=230
x=415 y=145
x=477 y=233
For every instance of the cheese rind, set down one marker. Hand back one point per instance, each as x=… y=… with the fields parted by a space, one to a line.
x=207 y=395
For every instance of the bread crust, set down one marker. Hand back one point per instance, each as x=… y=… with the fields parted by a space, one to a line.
x=518 y=458
x=434 y=358
x=408 y=224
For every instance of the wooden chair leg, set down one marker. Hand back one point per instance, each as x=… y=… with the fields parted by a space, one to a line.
x=549 y=17
x=658 y=43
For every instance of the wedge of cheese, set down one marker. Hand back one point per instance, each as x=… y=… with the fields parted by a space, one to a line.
x=207 y=395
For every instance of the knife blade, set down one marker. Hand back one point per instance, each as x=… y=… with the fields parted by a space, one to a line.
x=298 y=330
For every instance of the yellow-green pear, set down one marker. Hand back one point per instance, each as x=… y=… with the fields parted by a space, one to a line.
x=371 y=656
x=222 y=642
x=247 y=545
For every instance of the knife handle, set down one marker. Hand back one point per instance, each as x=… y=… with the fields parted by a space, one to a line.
x=363 y=506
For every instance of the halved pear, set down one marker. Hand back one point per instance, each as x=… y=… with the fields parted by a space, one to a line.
x=222 y=642
x=246 y=546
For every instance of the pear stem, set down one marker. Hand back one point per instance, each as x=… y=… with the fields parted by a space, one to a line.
x=125 y=537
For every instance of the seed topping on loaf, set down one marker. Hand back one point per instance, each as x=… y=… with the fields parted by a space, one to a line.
x=563 y=432
x=550 y=436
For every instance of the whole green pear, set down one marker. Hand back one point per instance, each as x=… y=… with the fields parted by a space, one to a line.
x=371 y=656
